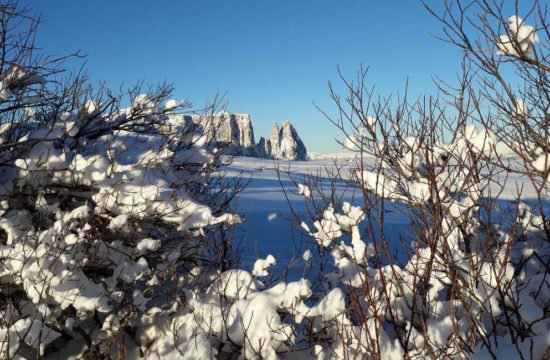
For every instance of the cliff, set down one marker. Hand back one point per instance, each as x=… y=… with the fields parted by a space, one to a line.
x=229 y=129
x=283 y=144
x=236 y=132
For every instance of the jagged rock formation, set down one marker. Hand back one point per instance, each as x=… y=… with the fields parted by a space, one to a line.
x=227 y=129
x=283 y=144
x=236 y=134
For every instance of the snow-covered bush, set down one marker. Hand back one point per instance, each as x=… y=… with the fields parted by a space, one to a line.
x=105 y=211
x=475 y=279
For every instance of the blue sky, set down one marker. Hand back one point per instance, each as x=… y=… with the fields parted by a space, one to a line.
x=272 y=58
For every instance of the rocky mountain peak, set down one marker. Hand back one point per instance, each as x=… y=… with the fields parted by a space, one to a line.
x=283 y=143
x=236 y=132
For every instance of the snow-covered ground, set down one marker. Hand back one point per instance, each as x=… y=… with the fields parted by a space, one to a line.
x=268 y=203
x=266 y=206
x=271 y=196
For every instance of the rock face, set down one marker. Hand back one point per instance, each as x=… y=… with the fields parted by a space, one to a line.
x=236 y=132
x=233 y=130
x=273 y=142
x=261 y=148
x=283 y=144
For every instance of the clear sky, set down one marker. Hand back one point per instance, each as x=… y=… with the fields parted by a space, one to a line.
x=273 y=58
